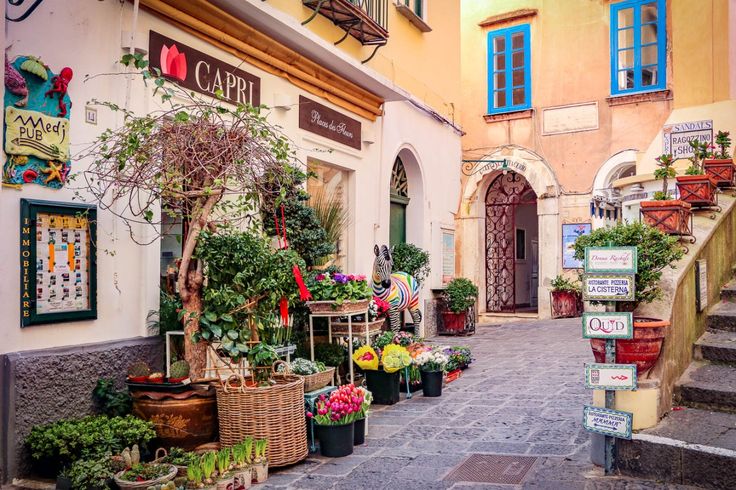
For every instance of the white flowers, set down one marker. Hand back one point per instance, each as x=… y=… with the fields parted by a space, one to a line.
x=432 y=360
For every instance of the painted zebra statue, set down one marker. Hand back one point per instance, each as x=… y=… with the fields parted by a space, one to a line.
x=399 y=289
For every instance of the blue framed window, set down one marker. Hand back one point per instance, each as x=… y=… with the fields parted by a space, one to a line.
x=509 y=70
x=638 y=46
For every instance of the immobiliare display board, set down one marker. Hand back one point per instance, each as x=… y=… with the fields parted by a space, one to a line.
x=58 y=262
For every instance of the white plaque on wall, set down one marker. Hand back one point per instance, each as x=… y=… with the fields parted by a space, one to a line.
x=570 y=118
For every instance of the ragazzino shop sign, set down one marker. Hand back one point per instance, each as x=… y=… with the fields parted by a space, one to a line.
x=195 y=70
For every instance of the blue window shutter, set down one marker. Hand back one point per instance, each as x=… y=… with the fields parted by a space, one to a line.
x=508 y=69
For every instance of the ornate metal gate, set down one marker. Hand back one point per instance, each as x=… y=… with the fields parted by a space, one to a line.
x=505 y=193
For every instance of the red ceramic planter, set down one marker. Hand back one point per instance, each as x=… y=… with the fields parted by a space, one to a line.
x=565 y=304
x=722 y=171
x=454 y=322
x=672 y=216
x=643 y=350
x=698 y=190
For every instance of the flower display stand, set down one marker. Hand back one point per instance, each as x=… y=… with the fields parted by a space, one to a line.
x=700 y=191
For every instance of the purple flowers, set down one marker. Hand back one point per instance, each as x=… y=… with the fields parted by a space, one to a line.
x=340 y=278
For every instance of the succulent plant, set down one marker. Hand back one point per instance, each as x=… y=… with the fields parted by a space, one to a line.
x=138 y=369
x=179 y=369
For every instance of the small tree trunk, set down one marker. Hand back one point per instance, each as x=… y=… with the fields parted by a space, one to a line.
x=194 y=353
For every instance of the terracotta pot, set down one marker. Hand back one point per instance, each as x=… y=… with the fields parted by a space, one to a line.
x=183 y=420
x=671 y=216
x=643 y=350
x=138 y=379
x=697 y=190
x=454 y=322
x=564 y=304
x=722 y=171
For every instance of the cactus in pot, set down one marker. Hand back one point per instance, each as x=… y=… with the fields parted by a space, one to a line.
x=178 y=371
x=138 y=371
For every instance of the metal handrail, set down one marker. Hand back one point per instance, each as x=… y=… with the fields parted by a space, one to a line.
x=376 y=10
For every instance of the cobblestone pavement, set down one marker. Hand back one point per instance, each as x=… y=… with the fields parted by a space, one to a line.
x=523 y=395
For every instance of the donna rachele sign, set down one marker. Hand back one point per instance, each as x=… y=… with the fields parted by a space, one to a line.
x=329 y=123
x=195 y=70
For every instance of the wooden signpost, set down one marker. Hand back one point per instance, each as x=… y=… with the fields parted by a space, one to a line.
x=609 y=277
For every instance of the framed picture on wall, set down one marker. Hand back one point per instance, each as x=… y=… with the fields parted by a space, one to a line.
x=570 y=233
x=58 y=266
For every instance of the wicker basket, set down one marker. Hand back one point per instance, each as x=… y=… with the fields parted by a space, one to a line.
x=123 y=484
x=316 y=381
x=374 y=327
x=347 y=307
x=273 y=412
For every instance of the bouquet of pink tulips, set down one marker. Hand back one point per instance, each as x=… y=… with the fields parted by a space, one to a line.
x=343 y=406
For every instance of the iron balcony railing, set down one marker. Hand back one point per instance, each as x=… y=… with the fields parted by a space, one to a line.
x=377 y=10
x=365 y=20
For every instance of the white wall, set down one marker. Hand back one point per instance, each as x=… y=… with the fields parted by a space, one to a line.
x=86 y=36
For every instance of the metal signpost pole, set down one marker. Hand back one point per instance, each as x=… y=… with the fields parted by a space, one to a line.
x=610 y=445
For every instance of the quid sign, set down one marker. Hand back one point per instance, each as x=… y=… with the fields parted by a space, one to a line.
x=195 y=70
x=608 y=325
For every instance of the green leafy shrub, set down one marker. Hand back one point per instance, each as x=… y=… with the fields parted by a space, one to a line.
x=67 y=441
x=330 y=354
x=562 y=283
x=460 y=294
x=412 y=260
x=109 y=400
x=91 y=473
x=655 y=250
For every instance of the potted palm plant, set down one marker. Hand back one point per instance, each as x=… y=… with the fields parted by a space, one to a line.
x=696 y=187
x=655 y=251
x=566 y=298
x=671 y=216
x=432 y=365
x=460 y=295
x=721 y=166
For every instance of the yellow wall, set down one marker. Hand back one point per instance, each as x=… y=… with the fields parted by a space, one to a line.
x=427 y=65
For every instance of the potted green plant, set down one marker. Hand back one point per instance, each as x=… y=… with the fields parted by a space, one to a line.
x=195 y=475
x=208 y=463
x=655 y=251
x=261 y=357
x=242 y=458
x=566 y=297
x=460 y=295
x=336 y=292
x=671 y=216
x=695 y=187
x=88 y=474
x=260 y=460
x=334 y=419
x=224 y=477
x=411 y=259
x=145 y=475
x=432 y=363
x=721 y=166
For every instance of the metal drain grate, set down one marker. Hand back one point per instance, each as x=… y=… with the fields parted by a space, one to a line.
x=492 y=468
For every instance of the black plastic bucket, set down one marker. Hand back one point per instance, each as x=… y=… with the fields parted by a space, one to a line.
x=432 y=383
x=359 y=432
x=383 y=386
x=335 y=441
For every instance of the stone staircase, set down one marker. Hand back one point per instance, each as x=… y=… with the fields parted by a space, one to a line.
x=696 y=443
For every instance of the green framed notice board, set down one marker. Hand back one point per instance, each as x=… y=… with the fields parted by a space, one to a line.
x=58 y=262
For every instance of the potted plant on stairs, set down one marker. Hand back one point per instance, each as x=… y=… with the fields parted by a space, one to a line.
x=671 y=216
x=566 y=298
x=460 y=295
x=721 y=166
x=655 y=251
x=696 y=187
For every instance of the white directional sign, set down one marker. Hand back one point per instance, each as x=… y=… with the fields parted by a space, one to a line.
x=610 y=376
x=608 y=325
x=622 y=260
x=607 y=422
x=608 y=287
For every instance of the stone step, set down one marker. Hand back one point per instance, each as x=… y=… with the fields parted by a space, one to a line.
x=688 y=447
x=708 y=386
x=728 y=291
x=722 y=316
x=716 y=346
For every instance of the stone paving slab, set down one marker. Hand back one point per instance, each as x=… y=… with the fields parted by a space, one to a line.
x=523 y=395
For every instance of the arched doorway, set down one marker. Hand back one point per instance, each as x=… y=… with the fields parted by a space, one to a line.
x=399 y=203
x=512 y=245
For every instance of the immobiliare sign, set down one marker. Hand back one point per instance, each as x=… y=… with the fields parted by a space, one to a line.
x=608 y=287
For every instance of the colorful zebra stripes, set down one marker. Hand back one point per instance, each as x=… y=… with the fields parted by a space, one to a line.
x=399 y=289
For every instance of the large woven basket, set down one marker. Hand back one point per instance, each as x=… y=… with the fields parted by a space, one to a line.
x=273 y=412
x=332 y=307
x=123 y=484
x=316 y=381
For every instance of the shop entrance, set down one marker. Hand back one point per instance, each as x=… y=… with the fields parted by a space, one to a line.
x=512 y=238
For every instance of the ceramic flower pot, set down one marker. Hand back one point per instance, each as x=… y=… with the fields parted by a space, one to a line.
x=564 y=304
x=454 y=322
x=225 y=483
x=243 y=478
x=383 y=386
x=260 y=471
x=643 y=350
x=698 y=190
x=336 y=441
x=722 y=171
x=359 y=432
x=432 y=383
x=671 y=216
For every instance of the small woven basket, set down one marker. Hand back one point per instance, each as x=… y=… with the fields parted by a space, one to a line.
x=147 y=483
x=316 y=381
x=332 y=307
x=273 y=412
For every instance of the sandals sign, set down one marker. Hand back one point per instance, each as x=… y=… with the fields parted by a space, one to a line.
x=201 y=72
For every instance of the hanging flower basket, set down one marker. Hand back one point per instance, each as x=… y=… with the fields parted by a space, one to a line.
x=722 y=171
x=346 y=307
x=700 y=191
x=672 y=216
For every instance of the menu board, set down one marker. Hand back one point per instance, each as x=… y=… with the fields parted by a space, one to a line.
x=58 y=270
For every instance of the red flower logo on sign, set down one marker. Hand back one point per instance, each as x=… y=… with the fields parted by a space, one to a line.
x=173 y=63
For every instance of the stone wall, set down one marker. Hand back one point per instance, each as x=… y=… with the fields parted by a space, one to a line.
x=43 y=386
